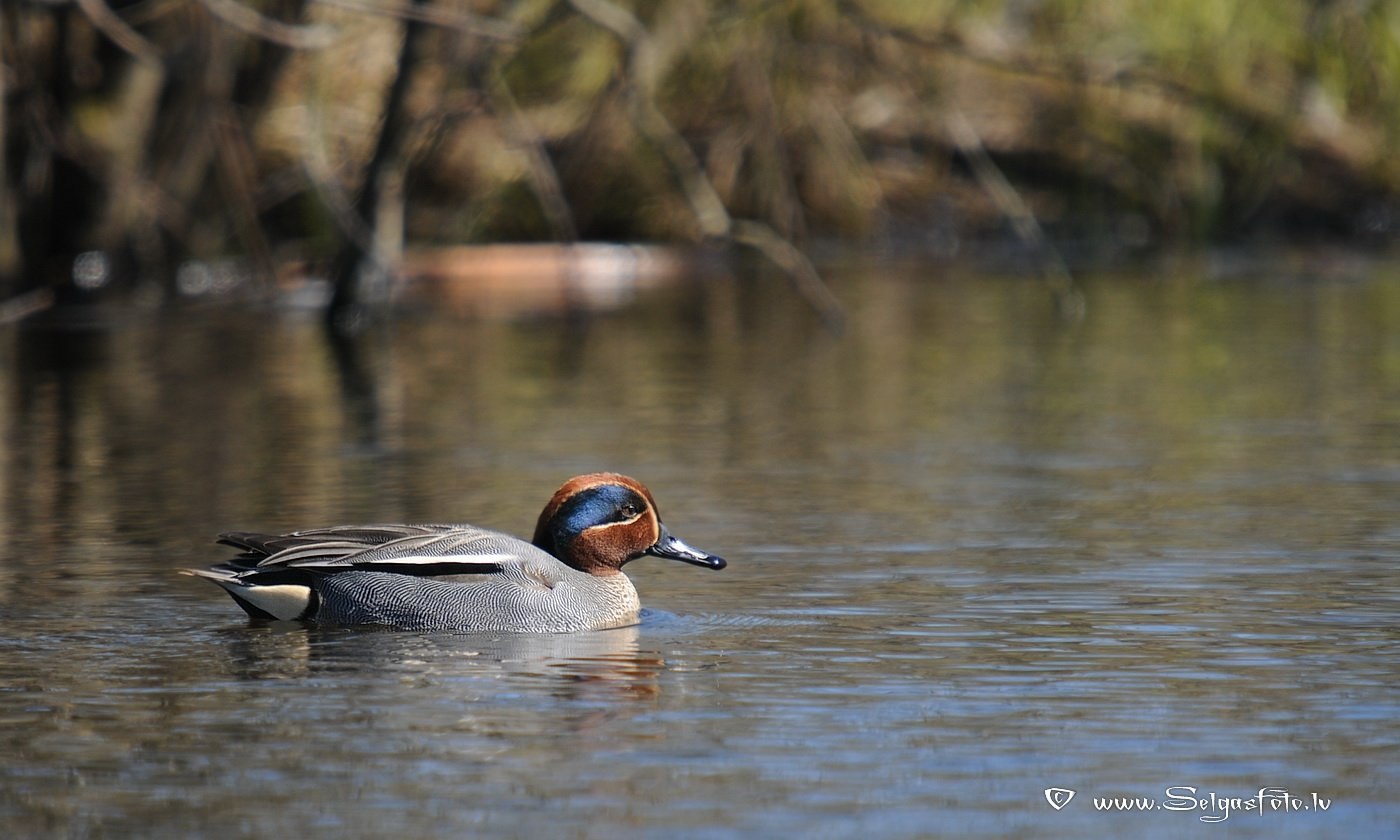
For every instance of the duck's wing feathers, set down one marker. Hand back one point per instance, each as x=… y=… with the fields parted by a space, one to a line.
x=362 y=535
x=415 y=549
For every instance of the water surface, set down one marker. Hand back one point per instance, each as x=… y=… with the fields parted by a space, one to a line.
x=977 y=551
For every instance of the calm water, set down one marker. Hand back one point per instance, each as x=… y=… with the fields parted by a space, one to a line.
x=976 y=552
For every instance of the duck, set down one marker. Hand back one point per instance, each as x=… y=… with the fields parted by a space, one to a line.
x=567 y=579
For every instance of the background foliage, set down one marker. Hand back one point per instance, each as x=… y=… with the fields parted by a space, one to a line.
x=158 y=130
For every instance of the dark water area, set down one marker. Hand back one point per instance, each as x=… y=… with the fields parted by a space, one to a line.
x=976 y=551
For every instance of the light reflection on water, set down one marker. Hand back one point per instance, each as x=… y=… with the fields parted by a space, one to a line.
x=976 y=552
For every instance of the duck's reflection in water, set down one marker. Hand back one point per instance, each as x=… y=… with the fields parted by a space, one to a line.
x=601 y=665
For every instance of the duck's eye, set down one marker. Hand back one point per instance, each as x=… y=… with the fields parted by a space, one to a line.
x=627 y=511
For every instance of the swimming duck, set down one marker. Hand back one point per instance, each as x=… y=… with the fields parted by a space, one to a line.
x=419 y=577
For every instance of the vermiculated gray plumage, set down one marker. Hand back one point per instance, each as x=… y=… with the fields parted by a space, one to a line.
x=509 y=601
x=426 y=577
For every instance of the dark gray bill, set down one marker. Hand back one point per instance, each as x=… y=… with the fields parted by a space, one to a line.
x=673 y=549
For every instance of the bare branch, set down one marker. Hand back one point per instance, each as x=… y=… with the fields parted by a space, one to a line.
x=710 y=213
x=463 y=22
x=796 y=266
x=613 y=18
x=317 y=166
x=289 y=35
x=705 y=203
x=236 y=168
x=129 y=40
x=544 y=178
x=1023 y=221
x=23 y=305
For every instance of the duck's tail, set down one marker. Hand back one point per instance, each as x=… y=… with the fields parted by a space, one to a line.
x=276 y=600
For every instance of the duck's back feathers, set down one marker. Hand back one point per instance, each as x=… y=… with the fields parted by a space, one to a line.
x=454 y=549
x=362 y=536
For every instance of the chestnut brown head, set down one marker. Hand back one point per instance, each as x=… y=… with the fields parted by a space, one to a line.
x=599 y=522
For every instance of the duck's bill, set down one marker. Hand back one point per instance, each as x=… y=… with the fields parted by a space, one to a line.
x=673 y=549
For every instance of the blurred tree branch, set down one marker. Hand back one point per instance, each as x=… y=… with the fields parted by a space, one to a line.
x=250 y=22
x=543 y=176
x=116 y=30
x=453 y=20
x=645 y=67
x=362 y=270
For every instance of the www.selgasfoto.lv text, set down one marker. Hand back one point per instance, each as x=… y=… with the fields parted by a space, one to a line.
x=1213 y=806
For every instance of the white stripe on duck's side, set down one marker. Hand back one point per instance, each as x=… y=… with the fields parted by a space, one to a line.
x=407 y=560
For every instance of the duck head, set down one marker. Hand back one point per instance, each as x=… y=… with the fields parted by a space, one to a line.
x=601 y=521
